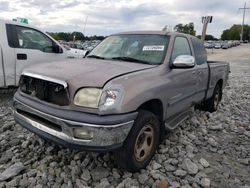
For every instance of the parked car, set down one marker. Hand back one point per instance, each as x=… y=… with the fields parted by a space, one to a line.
x=225 y=45
x=208 y=45
x=123 y=96
x=76 y=51
x=217 y=45
x=22 y=45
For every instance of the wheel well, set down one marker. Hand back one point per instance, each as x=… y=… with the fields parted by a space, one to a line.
x=155 y=106
x=220 y=83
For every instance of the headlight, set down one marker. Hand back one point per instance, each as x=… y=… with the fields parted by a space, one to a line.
x=88 y=97
x=108 y=98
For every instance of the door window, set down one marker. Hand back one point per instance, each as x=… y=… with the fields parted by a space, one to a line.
x=32 y=39
x=181 y=47
x=200 y=52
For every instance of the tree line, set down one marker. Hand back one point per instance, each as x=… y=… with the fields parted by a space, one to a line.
x=67 y=36
x=233 y=33
x=189 y=29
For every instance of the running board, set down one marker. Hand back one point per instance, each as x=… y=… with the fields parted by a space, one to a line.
x=173 y=122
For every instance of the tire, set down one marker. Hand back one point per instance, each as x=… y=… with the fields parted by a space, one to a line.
x=211 y=104
x=141 y=143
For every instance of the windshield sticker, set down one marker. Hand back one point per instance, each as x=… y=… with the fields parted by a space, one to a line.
x=153 y=48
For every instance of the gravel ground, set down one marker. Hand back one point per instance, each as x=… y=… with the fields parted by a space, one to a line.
x=207 y=150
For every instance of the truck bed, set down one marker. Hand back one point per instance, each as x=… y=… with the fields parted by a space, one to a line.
x=217 y=70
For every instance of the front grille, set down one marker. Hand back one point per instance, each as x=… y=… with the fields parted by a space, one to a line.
x=44 y=90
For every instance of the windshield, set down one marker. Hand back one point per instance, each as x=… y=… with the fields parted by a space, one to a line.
x=149 y=49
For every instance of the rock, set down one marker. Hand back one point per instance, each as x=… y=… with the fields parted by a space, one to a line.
x=32 y=173
x=99 y=173
x=169 y=167
x=25 y=144
x=180 y=173
x=245 y=186
x=103 y=184
x=12 y=183
x=116 y=175
x=39 y=186
x=86 y=161
x=220 y=152
x=173 y=161
x=79 y=156
x=186 y=186
x=212 y=142
x=127 y=183
x=215 y=127
x=157 y=175
x=12 y=171
x=2 y=184
x=189 y=149
x=205 y=182
x=194 y=121
x=80 y=183
x=155 y=165
x=32 y=181
x=142 y=178
x=6 y=157
x=8 y=125
x=244 y=161
x=24 y=182
x=191 y=167
x=191 y=136
x=204 y=163
x=85 y=175
x=160 y=184
x=175 y=184
x=163 y=150
x=247 y=133
x=204 y=131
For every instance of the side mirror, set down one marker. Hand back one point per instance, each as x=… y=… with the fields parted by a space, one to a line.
x=86 y=53
x=184 y=61
x=57 y=49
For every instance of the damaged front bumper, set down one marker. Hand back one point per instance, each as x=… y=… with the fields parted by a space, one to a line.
x=97 y=133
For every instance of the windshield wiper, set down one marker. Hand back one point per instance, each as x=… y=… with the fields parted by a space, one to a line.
x=130 y=59
x=95 y=56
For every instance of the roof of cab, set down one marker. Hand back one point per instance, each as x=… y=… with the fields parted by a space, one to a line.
x=150 y=33
x=17 y=23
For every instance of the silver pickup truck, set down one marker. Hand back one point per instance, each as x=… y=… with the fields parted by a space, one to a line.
x=122 y=96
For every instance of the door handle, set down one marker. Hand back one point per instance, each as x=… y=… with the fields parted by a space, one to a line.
x=21 y=56
x=193 y=72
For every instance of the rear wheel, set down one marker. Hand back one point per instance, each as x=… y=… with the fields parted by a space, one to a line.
x=141 y=143
x=211 y=104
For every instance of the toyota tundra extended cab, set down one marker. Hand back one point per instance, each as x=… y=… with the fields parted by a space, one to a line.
x=122 y=96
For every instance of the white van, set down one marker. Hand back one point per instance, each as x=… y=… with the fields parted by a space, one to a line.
x=22 y=45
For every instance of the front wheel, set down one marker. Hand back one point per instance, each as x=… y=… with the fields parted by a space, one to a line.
x=141 y=143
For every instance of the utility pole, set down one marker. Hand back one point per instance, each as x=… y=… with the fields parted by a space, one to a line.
x=86 y=19
x=205 y=21
x=243 y=20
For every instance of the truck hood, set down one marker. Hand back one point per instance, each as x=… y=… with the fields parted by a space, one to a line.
x=86 y=72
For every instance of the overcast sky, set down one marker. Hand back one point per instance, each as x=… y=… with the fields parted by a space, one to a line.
x=105 y=17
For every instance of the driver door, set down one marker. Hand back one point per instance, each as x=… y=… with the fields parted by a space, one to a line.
x=33 y=46
x=182 y=82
